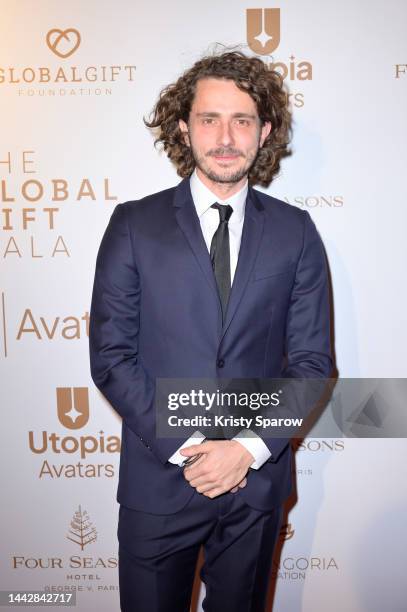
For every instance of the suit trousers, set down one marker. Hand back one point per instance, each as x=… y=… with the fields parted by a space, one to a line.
x=158 y=555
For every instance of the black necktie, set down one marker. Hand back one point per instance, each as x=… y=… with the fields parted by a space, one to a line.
x=220 y=254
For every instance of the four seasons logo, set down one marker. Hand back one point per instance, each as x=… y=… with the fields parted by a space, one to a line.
x=81 y=531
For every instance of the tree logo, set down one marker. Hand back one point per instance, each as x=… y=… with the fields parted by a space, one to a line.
x=81 y=531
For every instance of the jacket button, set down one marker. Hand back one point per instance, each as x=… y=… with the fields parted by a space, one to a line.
x=220 y=363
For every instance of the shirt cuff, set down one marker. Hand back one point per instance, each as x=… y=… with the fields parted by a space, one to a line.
x=178 y=459
x=255 y=445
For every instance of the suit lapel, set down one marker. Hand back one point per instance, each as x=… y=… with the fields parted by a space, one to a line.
x=188 y=221
x=249 y=246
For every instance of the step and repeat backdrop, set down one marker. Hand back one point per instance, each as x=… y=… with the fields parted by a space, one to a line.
x=76 y=80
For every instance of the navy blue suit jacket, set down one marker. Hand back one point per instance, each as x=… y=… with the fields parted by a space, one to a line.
x=156 y=313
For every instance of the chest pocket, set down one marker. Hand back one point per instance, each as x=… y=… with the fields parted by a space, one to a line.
x=267 y=271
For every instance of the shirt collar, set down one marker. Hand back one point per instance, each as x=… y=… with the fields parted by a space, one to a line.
x=204 y=198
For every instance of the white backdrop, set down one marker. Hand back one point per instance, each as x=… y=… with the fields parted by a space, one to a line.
x=71 y=149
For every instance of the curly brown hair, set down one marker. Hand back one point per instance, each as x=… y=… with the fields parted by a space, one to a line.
x=251 y=75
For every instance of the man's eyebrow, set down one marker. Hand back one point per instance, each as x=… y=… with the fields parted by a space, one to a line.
x=235 y=115
x=244 y=115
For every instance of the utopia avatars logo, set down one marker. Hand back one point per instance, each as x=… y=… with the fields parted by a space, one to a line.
x=263 y=37
x=263 y=30
x=73 y=406
x=73 y=413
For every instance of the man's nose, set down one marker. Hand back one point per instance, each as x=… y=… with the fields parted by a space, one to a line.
x=225 y=134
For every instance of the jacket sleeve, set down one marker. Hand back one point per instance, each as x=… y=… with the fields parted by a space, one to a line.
x=116 y=368
x=308 y=349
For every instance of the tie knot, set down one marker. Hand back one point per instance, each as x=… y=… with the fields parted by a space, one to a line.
x=225 y=211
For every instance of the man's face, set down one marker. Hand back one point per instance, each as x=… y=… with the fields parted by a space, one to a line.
x=223 y=131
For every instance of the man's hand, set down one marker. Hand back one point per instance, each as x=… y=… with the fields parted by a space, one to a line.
x=241 y=485
x=222 y=467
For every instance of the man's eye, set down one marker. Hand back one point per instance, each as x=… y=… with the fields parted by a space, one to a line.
x=243 y=122
x=208 y=120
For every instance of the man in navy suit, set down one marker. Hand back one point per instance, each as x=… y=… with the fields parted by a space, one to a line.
x=209 y=279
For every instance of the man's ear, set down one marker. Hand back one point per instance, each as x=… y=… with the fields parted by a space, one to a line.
x=265 y=131
x=184 y=129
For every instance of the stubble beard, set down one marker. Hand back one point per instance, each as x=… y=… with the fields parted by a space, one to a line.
x=227 y=176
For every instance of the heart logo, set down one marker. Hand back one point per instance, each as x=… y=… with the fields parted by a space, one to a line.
x=67 y=41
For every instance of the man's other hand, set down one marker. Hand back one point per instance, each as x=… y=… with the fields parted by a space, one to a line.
x=222 y=467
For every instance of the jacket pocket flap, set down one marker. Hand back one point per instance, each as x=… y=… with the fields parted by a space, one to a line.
x=271 y=270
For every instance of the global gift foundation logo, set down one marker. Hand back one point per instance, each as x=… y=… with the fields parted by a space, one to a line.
x=63 y=43
x=63 y=79
x=72 y=408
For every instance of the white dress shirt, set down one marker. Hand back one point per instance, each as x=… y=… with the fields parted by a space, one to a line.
x=209 y=219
